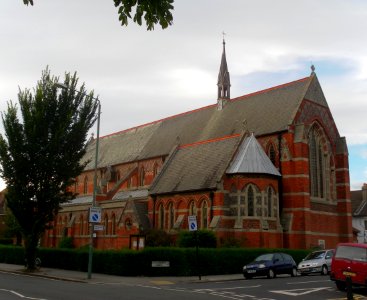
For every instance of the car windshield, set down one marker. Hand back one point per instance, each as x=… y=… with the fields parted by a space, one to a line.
x=315 y=255
x=264 y=257
x=353 y=253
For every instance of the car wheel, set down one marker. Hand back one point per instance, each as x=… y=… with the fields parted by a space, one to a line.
x=294 y=272
x=340 y=285
x=271 y=274
x=248 y=276
x=324 y=270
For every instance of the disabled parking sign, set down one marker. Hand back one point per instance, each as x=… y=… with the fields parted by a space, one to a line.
x=94 y=215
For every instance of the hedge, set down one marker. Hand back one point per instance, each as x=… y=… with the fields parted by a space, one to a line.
x=182 y=261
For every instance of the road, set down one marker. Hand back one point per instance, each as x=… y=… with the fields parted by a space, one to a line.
x=18 y=287
x=313 y=287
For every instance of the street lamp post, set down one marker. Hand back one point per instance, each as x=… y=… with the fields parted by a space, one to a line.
x=90 y=254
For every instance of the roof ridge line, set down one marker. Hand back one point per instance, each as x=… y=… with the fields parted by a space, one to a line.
x=294 y=114
x=269 y=89
x=360 y=207
x=226 y=137
x=207 y=106
x=159 y=120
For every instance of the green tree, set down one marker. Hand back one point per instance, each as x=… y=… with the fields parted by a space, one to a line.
x=41 y=153
x=12 y=227
x=153 y=11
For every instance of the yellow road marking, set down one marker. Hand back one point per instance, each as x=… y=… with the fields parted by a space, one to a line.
x=162 y=282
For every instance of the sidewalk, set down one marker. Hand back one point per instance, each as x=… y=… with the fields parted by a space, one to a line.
x=76 y=276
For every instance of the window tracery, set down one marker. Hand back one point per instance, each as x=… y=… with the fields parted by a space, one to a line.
x=321 y=165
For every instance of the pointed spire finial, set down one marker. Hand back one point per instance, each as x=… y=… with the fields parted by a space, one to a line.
x=313 y=69
x=224 y=83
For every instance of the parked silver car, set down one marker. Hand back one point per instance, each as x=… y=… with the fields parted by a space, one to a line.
x=316 y=262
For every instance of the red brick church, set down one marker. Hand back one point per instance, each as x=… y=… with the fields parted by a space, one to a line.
x=268 y=169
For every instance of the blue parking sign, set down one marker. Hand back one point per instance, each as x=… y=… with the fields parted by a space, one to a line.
x=94 y=215
x=193 y=225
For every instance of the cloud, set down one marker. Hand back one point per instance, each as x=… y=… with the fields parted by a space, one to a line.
x=143 y=76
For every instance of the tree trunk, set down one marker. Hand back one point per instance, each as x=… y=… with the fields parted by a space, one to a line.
x=30 y=248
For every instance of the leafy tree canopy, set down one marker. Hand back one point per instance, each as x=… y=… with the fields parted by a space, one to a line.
x=41 y=152
x=153 y=11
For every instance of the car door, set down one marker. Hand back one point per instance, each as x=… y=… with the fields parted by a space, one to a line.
x=278 y=263
x=328 y=256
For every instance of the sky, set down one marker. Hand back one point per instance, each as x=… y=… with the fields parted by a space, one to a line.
x=141 y=76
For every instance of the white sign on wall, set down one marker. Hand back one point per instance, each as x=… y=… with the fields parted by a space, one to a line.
x=193 y=225
x=95 y=215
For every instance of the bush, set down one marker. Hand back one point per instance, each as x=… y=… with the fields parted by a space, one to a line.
x=12 y=254
x=203 y=238
x=66 y=242
x=182 y=261
x=158 y=238
x=6 y=241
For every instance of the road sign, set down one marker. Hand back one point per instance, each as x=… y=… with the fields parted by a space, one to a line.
x=95 y=214
x=98 y=227
x=193 y=225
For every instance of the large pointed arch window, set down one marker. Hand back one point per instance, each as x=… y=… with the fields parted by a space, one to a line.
x=321 y=164
x=317 y=165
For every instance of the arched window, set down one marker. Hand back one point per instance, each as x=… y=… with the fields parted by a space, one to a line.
x=272 y=154
x=250 y=201
x=270 y=201
x=128 y=224
x=321 y=173
x=171 y=216
x=161 y=216
x=142 y=177
x=155 y=170
x=85 y=187
x=204 y=215
x=233 y=201
x=192 y=208
x=105 y=223
x=113 y=225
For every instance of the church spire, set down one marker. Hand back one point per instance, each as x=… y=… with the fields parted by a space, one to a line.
x=224 y=83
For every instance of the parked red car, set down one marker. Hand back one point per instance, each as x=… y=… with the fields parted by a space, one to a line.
x=350 y=260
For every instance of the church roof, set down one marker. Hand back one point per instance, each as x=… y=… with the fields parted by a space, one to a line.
x=211 y=158
x=251 y=158
x=264 y=112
